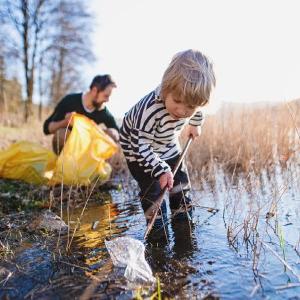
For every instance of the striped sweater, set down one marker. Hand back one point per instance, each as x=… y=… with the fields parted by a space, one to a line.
x=149 y=135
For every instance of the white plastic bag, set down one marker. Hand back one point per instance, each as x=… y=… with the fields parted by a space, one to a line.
x=130 y=253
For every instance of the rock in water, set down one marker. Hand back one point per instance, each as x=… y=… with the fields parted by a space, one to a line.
x=49 y=221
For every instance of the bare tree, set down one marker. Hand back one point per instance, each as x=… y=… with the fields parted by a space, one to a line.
x=71 y=47
x=42 y=86
x=10 y=89
x=3 y=106
x=49 y=37
x=26 y=20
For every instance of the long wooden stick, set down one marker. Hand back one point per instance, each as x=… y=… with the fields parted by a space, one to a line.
x=154 y=208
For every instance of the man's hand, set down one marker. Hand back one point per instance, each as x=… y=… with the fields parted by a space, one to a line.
x=193 y=131
x=113 y=133
x=55 y=125
x=167 y=180
x=68 y=118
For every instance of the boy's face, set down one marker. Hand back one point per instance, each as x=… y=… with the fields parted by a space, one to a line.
x=177 y=108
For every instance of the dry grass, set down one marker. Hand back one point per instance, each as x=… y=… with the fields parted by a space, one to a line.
x=246 y=138
x=12 y=129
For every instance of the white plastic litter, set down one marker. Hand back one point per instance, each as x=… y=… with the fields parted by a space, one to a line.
x=130 y=253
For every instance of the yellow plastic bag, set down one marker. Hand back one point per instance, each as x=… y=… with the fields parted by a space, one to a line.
x=26 y=161
x=82 y=159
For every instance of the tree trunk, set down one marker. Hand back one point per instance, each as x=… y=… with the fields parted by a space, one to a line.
x=60 y=74
x=2 y=88
x=40 y=110
x=25 y=26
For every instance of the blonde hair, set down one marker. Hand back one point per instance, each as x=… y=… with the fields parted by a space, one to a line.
x=189 y=77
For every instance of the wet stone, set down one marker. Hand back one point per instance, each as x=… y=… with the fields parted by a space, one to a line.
x=49 y=221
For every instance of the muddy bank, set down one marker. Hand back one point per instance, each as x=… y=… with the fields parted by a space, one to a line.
x=34 y=260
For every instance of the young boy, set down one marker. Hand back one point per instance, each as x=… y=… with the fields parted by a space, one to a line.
x=150 y=130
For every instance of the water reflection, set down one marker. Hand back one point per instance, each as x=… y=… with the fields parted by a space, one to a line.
x=101 y=220
x=96 y=225
x=185 y=243
x=176 y=241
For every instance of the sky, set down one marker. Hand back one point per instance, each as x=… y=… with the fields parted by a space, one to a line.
x=254 y=46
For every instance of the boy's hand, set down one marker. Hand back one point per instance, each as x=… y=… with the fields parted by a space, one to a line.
x=193 y=131
x=167 y=180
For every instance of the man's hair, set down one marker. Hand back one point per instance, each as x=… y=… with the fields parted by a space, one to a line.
x=189 y=77
x=101 y=82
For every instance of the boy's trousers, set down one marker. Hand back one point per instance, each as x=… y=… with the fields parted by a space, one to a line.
x=180 y=203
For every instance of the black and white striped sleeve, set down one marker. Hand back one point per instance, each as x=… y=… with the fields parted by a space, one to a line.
x=197 y=119
x=144 y=154
x=142 y=136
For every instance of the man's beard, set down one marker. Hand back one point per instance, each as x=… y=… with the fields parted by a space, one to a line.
x=96 y=104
